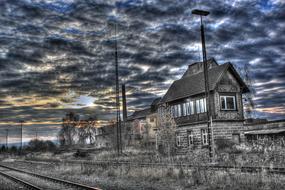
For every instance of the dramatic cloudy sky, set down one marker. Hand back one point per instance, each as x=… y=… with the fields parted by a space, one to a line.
x=58 y=56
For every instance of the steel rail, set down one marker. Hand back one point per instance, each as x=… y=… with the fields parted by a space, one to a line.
x=17 y=180
x=57 y=180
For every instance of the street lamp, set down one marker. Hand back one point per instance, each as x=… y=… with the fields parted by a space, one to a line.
x=118 y=114
x=202 y=13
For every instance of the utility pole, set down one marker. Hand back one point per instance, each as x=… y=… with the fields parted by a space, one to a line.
x=118 y=119
x=7 y=135
x=202 y=13
x=125 y=113
x=21 y=121
x=36 y=133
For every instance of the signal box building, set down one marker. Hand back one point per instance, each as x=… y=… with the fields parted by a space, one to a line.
x=187 y=104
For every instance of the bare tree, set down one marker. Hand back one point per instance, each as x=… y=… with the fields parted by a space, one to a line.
x=91 y=130
x=86 y=131
x=81 y=133
x=249 y=105
x=68 y=131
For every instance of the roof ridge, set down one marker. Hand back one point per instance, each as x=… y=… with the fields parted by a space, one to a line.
x=202 y=71
x=193 y=84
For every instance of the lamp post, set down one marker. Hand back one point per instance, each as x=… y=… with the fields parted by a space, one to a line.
x=118 y=114
x=202 y=13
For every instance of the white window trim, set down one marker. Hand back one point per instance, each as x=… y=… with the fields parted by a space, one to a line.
x=179 y=110
x=192 y=109
x=204 y=136
x=190 y=138
x=201 y=105
x=184 y=109
x=225 y=98
x=178 y=140
x=197 y=103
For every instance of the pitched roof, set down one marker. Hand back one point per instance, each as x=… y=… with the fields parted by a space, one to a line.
x=139 y=114
x=155 y=101
x=190 y=85
x=198 y=67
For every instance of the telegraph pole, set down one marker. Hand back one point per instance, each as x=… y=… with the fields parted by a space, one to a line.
x=36 y=133
x=202 y=13
x=7 y=134
x=21 y=134
x=118 y=119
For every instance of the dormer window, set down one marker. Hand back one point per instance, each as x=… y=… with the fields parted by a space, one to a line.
x=228 y=102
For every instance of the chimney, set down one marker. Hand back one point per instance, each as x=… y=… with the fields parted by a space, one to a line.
x=125 y=113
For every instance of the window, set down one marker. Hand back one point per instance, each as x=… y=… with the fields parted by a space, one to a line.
x=189 y=108
x=201 y=105
x=185 y=109
x=179 y=114
x=198 y=106
x=176 y=110
x=204 y=136
x=178 y=140
x=228 y=102
x=190 y=138
x=173 y=111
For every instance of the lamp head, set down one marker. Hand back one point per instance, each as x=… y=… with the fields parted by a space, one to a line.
x=200 y=12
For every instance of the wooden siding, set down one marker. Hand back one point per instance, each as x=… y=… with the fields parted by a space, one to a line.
x=228 y=86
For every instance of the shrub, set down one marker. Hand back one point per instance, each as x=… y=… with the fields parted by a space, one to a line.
x=40 y=145
x=170 y=172
x=13 y=149
x=3 y=148
x=81 y=154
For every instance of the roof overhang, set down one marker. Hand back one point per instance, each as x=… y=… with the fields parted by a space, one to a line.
x=264 y=132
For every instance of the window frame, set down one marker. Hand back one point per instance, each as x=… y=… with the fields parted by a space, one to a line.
x=192 y=107
x=178 y=140
x=184 y=109
x=197 y=104
x=179 y=110
x=190 y=138
x=225 y=99
x=201 y=105
x=204 y=137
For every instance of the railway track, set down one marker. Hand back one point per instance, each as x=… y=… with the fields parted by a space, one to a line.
x=22 y=183
x=39 y=181
x=252 y=169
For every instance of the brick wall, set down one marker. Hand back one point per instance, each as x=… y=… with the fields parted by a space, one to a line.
x=224 y=130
